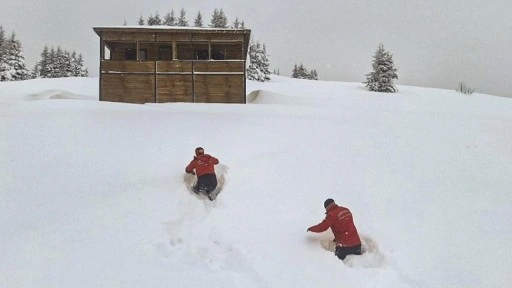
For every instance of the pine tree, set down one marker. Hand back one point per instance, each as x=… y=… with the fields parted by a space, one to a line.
x=43 y=66
x=182 y=21
x=151 y=20
x=198 y=22
x=258 y=69
x=35 y=73
x=301 y=72
x=265 y=63
x=59 y=63
x=236 y=24
x=62 y=66
x=141 y=21
x=219 y=20
x=81 y=69
x=295 y=72
x=313 y=75
x=3 y=55
x=158 y=20
x=384 y=72
x=14 y=67
x=223 y=20
x=170 y=19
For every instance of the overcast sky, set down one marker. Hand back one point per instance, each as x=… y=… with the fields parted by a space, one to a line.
x=434 y=43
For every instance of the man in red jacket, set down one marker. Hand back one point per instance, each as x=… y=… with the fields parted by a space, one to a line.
x=339 y=219
x=203 y=165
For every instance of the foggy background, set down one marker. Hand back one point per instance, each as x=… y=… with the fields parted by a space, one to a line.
x=434 y=43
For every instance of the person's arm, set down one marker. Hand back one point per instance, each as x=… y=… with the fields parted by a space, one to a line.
x=190 y=167
x=213 y=160
x=322 y=226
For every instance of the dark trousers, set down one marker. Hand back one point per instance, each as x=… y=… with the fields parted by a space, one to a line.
x=343 y=251
x=206 y=183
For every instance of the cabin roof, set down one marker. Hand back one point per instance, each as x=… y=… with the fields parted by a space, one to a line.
x=173 y=29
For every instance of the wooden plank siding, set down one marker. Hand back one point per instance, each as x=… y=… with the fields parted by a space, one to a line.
x=168 y=65
x=174 y=88
x=130 y=88
x=219 y=88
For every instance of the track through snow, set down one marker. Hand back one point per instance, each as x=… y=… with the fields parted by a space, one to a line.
x=212 y=251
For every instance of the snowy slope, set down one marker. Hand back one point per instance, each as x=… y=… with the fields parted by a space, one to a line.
x=92 y=193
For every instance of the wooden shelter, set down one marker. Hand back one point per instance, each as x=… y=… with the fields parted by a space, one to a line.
x=155 y=64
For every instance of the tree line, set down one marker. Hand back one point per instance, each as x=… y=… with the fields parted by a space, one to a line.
x=54 y=63
x=218 y=20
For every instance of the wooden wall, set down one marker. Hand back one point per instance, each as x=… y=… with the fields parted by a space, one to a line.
x=173 y=81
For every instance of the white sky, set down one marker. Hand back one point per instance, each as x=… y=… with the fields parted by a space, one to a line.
x=435 y=43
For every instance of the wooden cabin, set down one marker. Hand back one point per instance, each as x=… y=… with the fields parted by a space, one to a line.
x=156 y=64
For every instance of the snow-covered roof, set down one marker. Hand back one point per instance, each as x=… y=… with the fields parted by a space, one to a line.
x=146 y=28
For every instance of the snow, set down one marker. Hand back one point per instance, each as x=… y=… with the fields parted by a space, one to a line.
x=92 y=193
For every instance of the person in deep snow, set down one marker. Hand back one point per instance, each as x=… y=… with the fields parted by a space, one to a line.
x=203 y=165
x=340 y=220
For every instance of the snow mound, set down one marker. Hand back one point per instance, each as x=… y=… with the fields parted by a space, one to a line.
x=56 y=94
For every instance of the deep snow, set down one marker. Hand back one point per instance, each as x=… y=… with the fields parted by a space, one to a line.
x=92 y=193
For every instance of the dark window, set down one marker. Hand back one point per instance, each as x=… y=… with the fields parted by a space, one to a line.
x=130 y=54
x=201 y=54
x=218 y=54
x=165 y=53
x=143 y=54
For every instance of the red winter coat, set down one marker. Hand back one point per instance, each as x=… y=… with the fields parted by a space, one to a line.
x=203 y=164
x=342 y=226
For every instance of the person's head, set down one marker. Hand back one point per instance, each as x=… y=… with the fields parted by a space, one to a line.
x=328 y=203
x=199 y=151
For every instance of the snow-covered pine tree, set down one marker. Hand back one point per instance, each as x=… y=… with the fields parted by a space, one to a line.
x=223 y=19
x=151 y=20
x=252 y=70
x=44 y=64
x=15 y=67
x=313 y=75
x=219 y=20
x=198 y=22
x=302 y=72
x=384 y=72
x=141 y=21
x=258 y=69
x=59 y=63
x=73 y=65
x=81 y=69
x=3 y=55
x=299 y=72
x=295 y=72
x=154 y=20
x=35 y=73
x=182 y=21
x=170 y=19
x=265 y=63
x=236 y=24
x=158 y=20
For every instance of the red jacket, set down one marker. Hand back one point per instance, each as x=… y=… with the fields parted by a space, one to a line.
x=342 y=226
x=203 y=164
